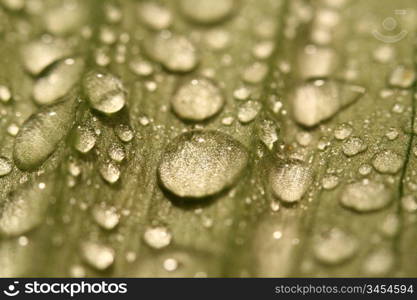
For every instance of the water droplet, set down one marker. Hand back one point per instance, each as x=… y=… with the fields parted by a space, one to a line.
x=320 y=100
x=105 y=91
x=353 y=146
x=290 y=180
x=58 y=81
x=13 y=129
x=365 y=169
x=365 y=196
x=174 y=52
x=5 y=94
x=39 y=54
x=255 y=72
x=106 y=217
x=248 y=111
x=384 y=54
x=268 y=133
x=141 y=67
x=117 y=152
x=110 y=172
x=155 y=15
x=42 y=132
x=316 y=62
x=263 y=50
x=392 y=134
x=343 y=131
x=329 y=182
x=402 y=77
x=409 y=203
x=65 y=18
x=24 y=210
x=157 y=237
x=124 y=132
x=170 y=264
x=197 y=99
x=217 y=39
x=379 y=262
x=334 y=246
x=241 y=93
x=207 y=12
x=304 y=138
x=84 y=139
x=202 y=163
x=390 y=225
x=97 y=255
x=5 y=166
x=387 y=162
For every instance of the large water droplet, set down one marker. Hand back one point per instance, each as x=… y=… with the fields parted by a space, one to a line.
x=59 y=80
x=105 y=91
x=97 y=255
x=202 y=163
x=207 y=12
x=365 y=196
x=197 y=100
x=41 y=133
x=24 y=210
x=387 y=162
x=317 y=101
x=65 y=18
x=174 y=52
x=335 y=246
x=39 y=54
x=290 y=180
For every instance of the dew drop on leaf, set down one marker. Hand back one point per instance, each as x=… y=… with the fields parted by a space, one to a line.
x=290 y=180
x=365 y=196
x=387 y=162
x=175 y=52
x=197 y=99
x=155 y=15
x=40 y=134
x=248 y=111
x=201 y=163
x=157 y=237
x=334 y=246
x=207 y=12
x=84 y=139
x=106 y=217
x=58 y=81
x=97 y=255
x=105 y=91
x=110 y=172
x=353 y=146
x=402 y=77
x=5 y=166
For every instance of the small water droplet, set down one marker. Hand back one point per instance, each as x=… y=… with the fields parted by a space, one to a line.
x=365 y=169
x=5 y=94
x=290 y=180
x=248 y=111
x=97 y=255
x=343 y=131
x=124 y=132
x=379 y=262
x=268 y=133
x=255 y=72
x=365 y=196
x=402 y=77
x=353 y=145
x=170 y=264
x=84 y=139
x=157 y=237
x=392 y=133
x=329 y=182
x=409 y=203
x=106 y=217
x=105 y=92
x=5 y=166
x=110 y=172
x=155 y=15
x=141 y=67
x=202 y=163
x=334 y=246
x=117 y=152
x=65 y=18
x=317 y=62
x=207 y=12
x=174 y=52
x=197 y=99
x=387 y=162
